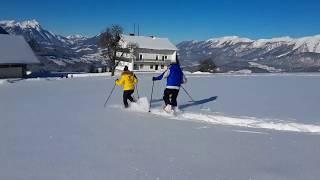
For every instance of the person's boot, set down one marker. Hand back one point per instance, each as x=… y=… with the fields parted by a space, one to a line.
x=174 y=108
x=168 y=108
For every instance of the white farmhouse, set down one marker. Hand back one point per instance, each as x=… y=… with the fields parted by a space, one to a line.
x=146 y=53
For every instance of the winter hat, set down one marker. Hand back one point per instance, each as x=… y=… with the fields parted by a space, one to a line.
x=125 y=68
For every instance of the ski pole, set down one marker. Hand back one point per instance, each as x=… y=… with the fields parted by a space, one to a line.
x=109 y=95
x=187 y=93
x=151 y=96
x=137 y=91
x=136 y=85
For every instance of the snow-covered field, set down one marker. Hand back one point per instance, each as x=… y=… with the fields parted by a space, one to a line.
x=263 y=126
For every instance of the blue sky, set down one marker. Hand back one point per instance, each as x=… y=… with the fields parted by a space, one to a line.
x=176 y=19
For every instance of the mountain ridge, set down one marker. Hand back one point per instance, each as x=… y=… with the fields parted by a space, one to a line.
x=230 y=53
x=236 y=53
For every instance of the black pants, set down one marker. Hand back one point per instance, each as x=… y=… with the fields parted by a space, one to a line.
x=127 y=95
x=170 y=97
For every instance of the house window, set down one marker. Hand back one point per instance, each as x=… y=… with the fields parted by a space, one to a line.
x=135 y=67
x=162 y=66
x=151 y=66
x=140 y=57
x=141 y=66
x=157 y=57
x=162 y=58
x=166 y=57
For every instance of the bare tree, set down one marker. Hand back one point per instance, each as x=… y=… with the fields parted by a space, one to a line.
x=2 y=31
x=207 y=65
x=132 y=47
x=109 y=42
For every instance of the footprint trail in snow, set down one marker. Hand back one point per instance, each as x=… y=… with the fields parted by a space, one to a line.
x=142 y=105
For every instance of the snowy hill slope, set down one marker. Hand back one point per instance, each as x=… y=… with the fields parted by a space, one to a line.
x=59 y=129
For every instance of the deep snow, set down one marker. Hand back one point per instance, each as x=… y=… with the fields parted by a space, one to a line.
x=240 y=127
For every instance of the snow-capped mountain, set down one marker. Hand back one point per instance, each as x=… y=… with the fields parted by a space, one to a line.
x=33 y=30
x=76 y=38
x=235 y=53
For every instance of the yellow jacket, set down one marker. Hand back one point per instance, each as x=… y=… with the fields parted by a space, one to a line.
x=127 y=80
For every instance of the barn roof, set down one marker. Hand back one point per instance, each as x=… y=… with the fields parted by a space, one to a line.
x=15 y=50
x=146 y=42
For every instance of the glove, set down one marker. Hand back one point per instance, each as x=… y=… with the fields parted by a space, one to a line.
x=153 y=78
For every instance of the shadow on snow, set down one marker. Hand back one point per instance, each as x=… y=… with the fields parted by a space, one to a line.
x=199 y=102
x=192 y=103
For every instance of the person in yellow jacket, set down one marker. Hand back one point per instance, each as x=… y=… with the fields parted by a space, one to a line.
x=128 y=80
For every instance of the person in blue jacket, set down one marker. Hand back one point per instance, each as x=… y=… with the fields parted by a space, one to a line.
x=175 y=78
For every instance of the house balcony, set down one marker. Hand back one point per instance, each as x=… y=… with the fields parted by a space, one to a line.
x=124 y=59
x=152 y=61
x=145 y=61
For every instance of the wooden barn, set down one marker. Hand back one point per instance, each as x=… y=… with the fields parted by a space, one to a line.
x=15 y=56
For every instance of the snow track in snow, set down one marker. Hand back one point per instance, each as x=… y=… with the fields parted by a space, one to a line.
x=219 y=119
x=250 y=122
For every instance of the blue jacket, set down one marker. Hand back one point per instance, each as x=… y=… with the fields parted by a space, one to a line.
x=174 y=75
